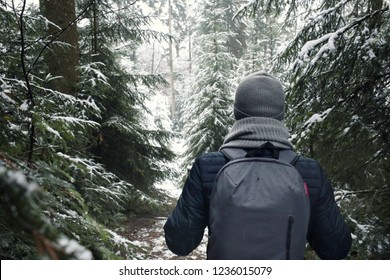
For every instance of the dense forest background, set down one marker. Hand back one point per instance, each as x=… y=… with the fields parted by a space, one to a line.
x=93 y=94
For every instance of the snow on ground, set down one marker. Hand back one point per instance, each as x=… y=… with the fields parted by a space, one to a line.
x=151 y=235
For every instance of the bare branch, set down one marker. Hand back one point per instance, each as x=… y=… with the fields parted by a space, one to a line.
x=30 y=95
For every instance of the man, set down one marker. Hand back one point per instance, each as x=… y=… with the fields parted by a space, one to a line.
x=259 y=113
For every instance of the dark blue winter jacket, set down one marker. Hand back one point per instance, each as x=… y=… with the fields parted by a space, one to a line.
x=328 y=235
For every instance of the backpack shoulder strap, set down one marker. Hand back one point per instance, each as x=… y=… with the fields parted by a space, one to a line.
x=289 y=156
x=233 y=153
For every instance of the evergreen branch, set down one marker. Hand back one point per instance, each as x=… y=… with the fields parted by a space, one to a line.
x=366 y=163
x=366 y=191
x=118 y=10
x=329 y=39
x=246 y=8
x=44 y=37
x=59 y=34
x=13 y=9
x=35 y=150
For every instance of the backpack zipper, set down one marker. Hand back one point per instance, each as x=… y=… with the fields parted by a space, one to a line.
x=289 y=232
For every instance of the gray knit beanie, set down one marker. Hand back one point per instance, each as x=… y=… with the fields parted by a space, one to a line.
x=259 y=95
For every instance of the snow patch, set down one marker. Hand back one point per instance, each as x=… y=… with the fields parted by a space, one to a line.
x=7 y=98
x=316 y=118
x=24 y=106
x=75 y=120
x=53 y=131
x=19 y=178
x=154 y=240
x=72 y=247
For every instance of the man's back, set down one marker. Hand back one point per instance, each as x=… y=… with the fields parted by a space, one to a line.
x=327 y=234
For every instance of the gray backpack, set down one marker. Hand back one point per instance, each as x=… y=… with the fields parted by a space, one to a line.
x=259 y=207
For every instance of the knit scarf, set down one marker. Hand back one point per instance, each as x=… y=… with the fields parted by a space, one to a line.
x=252 y=132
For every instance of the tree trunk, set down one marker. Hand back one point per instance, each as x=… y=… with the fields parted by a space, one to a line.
x=173 y=98
x=62 y=60
x=153 y=55
x=94 y=29
x=190 y=52
x=189 y=34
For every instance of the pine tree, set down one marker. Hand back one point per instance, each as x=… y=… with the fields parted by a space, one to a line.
x=266 y=35
x=208 y=113
x=124 y=143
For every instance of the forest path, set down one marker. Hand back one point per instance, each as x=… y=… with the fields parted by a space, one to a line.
x=148 y=232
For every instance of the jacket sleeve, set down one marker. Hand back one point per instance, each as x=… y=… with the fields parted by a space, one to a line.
x=184 y=228
x=328 y=234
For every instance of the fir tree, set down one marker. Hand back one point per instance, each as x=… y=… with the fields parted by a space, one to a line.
x=266 y=35
x=124 y=143
x=208 y=113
